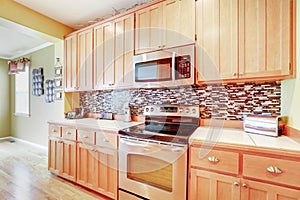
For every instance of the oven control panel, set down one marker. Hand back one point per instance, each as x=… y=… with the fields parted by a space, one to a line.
x=172 y=110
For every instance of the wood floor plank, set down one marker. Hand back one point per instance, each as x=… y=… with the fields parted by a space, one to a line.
x=24 y=176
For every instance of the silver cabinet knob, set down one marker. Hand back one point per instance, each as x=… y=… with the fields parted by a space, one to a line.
x=244 y=185
x=235 y=183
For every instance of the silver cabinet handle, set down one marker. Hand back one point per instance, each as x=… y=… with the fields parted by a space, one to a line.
x=54 y=131
x=85 y=136
x=68 y=133
x=244 y=185
x=60 y=142
x=274 y=170
x=235 y=183
x=213 y=159
x=234 y=74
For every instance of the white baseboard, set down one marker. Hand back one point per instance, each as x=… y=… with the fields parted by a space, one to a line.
x=6 y=138
x=24 y=141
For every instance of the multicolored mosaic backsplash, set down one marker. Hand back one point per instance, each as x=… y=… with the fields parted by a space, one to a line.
x=224 y=101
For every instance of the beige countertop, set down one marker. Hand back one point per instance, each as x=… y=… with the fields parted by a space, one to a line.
x=91 y=123
x=239 y=137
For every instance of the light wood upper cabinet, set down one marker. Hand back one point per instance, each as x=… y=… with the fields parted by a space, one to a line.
x=104 y=71
x=113 y=53
x=217 y=39
x=85 y=60
x=70 y=75
x=179 y=16
x=244 y=39
x=166 y=24
x=149 y=28
x=265 y=37
x=124 y=51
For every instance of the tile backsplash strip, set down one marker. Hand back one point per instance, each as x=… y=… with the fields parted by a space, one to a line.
x=224 y=101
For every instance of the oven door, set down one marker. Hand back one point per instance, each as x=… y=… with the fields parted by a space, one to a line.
x=151 y=170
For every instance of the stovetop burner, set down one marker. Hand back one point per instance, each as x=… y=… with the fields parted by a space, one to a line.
x=161 y=125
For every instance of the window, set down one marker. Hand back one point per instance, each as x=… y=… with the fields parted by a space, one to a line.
x=22 y=93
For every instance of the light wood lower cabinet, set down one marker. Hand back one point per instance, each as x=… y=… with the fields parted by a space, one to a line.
x=233 y=174
x=86 y=157
x=54 y=155
x=254 y=190
x=68 y=164
x=106 y=171
x=212 y=186
x=62 y=158
x=97 y=169
x=85 y=165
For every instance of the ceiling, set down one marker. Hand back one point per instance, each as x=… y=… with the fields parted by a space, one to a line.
x=77 y=14
x=17 y=40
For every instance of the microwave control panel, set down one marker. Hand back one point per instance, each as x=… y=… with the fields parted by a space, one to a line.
x=183 y=67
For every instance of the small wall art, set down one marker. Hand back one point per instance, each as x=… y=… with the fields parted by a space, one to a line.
x=37 y=82
x=58 y=79
x=50 y=91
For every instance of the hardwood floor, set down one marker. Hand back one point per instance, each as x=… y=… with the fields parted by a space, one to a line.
x=24 y=176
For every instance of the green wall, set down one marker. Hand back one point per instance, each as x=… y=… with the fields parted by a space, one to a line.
x=35 y=128
x=4 y=100
x=290 y=90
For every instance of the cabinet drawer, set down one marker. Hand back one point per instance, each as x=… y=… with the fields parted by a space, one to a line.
x=215 y=160
x=107 y=139
x=54 y=131
x=272 y=169
x=68 y=133
x=86 y=137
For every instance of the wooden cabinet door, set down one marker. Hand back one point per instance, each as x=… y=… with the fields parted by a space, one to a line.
x=106 y=171
x=86 y=157
x=208 y=185
x=179 y=16
x=70 y=74
x=108 y=55
x=98 y=57
x=124 y=51
x=68 y=165
x=217 y=39
x=253 y=190
x=104 y=71
x=54 y=155
x=265 y=38
x=149 y=29
x=85 y=60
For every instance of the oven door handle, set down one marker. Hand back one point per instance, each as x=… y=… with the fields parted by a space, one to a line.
x=134 y=143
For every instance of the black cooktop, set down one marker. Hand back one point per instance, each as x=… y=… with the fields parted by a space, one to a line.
x=165 y=132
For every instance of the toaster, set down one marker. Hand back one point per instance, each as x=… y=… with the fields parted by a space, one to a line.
x=265 y=125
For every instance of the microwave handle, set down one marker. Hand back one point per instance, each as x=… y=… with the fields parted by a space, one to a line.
x=173 y=65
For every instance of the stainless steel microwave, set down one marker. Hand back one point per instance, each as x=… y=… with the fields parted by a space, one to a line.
x=165 y=68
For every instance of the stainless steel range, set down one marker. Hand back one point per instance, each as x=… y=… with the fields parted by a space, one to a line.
x=153 y=157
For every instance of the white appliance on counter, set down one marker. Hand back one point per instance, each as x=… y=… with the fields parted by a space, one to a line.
x=265 y=125
x=165 y=68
